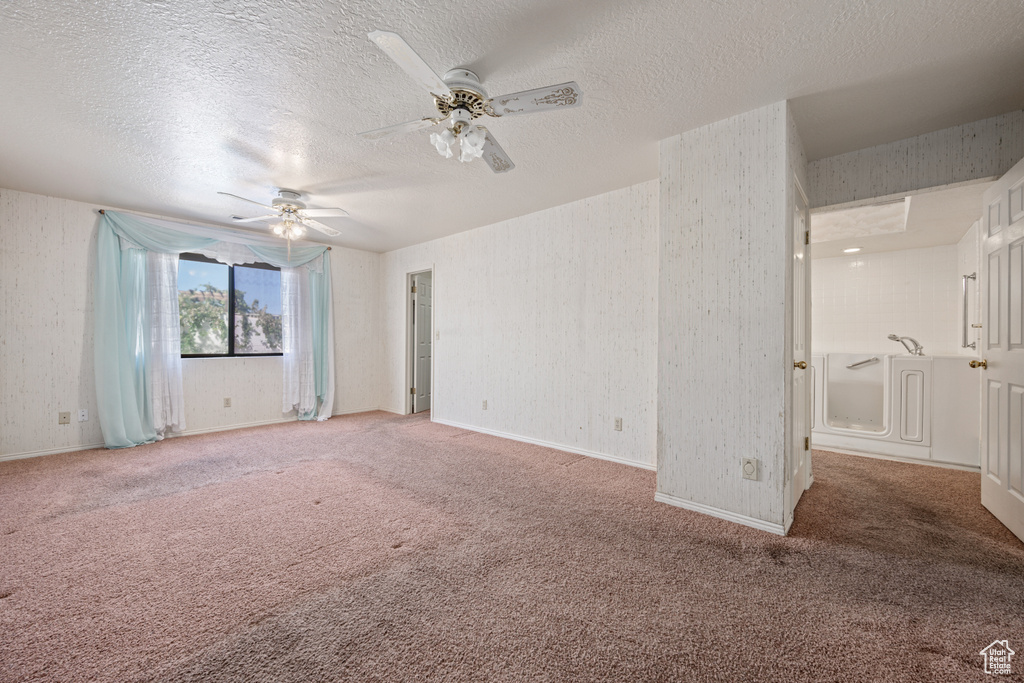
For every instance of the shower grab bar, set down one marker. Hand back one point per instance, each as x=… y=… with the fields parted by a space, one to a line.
x=873 y=359
x=964 y=344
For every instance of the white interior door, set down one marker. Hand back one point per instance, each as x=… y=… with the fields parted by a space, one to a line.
x=800 y=454
x=422 y=316
x=1002 y=350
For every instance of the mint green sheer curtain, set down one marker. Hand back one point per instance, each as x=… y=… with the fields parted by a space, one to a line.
x=123 y=320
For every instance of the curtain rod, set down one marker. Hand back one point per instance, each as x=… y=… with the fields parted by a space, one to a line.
x=103 y=213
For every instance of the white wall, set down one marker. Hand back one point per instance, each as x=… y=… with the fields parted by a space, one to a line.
x=550 y=317
x=47 y=266
x=983 y=149
x=857 y=301
x=47 y=270
x=358 y=353
x=723 y=303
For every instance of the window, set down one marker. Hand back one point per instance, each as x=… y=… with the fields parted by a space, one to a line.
x=211 y=295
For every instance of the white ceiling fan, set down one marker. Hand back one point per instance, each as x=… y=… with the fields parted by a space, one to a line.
x=460 y=99
x=291 y=215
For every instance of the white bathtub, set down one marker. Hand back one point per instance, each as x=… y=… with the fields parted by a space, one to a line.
x=917 y=407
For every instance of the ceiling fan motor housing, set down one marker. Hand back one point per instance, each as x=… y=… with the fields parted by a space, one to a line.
x=288 y=201
x=467 y=93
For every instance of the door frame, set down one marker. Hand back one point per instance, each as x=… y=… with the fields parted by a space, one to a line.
x=792 y=496
x=410 y=335
x=801 y=196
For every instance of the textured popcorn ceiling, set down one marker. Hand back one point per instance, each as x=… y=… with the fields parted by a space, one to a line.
x=155 y=105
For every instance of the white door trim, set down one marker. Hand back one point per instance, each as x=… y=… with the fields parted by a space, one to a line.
x=798 y=478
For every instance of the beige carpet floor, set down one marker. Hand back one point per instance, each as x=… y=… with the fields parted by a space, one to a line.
x=383 y=548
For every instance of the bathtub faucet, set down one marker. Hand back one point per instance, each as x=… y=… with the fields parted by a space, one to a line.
x=915 y=350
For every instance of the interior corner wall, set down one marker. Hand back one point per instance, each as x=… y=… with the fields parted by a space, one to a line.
x=722 y=316
x=358 y=354
x=47 y=275
x=550 y=317
x=973 y=151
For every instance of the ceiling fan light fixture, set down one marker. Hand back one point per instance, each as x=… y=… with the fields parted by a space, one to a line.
x=459 y=99
x=291 y=215
x=443 y=142
x=288 y=229
x=471 y=143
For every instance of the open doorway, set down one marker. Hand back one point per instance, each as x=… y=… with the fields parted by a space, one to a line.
x=420 y=340
x=895 y=320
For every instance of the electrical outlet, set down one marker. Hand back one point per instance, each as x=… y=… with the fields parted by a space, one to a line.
x=227 y=403
x=64 y=418
x=618 y=424
x=750 y=467
x=485 y=404
x=83 y=415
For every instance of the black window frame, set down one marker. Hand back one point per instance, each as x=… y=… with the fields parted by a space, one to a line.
x=188 y=256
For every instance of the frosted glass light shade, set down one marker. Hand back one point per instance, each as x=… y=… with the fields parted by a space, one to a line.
x=471 y=144
x=443 y=142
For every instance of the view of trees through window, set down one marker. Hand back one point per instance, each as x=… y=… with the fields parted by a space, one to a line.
x=210 y=294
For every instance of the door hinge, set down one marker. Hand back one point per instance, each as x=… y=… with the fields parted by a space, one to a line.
x=807 y=443
x=414 y=289
x=807 y=236
x=412 y=390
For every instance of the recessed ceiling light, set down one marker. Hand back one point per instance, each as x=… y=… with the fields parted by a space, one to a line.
x=851 y=250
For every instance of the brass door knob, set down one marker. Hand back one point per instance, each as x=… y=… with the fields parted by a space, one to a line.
x=979 y=364
x=802 y=365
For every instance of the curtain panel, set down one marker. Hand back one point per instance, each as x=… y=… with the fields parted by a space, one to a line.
x=137 y=335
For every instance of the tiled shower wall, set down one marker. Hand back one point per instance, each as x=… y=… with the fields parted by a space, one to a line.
x=857 y=301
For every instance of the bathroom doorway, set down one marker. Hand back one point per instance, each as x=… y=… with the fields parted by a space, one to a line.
x=893 y=317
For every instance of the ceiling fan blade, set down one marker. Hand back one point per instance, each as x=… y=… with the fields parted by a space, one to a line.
x=322 y=213
x=495 y=156
x=395 y=47
x=561 y=96
x=317 y=225
x=239 y=219
x=265 y=206
x=399 y=128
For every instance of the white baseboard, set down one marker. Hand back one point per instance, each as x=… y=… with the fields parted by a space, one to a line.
x=187 y=432
x=227 y=428
x=261 y=423
x=50 y=451
x=896 y=458
x=390 y=410
x=770 y=527
x=369 y=409
x=548 y=444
